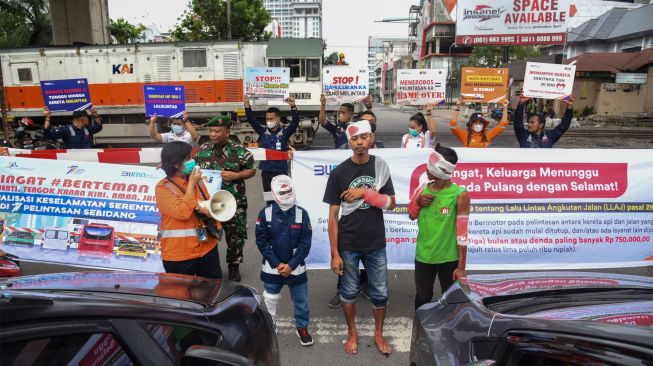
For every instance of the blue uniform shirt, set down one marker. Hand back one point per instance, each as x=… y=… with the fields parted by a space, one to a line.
x=73 y=137
x=277 y=140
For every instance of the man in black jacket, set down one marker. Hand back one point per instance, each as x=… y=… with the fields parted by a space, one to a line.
x=534 y=136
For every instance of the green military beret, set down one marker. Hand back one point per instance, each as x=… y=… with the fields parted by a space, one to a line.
x=219 y=121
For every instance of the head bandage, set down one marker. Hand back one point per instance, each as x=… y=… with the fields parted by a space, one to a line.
x=358 y=128
x=439 y=167
x=283 y=191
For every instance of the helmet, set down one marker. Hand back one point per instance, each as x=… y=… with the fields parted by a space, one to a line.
x=341 y=55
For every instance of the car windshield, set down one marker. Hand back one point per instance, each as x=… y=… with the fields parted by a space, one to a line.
x=98 y=233
x=21 y=234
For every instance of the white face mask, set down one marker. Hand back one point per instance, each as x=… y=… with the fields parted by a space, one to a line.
x=272 y=125
x=283 y=191
x=477 y=128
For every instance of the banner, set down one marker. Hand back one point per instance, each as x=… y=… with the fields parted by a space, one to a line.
x=66 y=95
x=267 y=83
x=548 y=81
x=512 y=22
x=164 y=100
x=344 y=84
x=486 y=85
x=90 y=214
x=421 y=86
x=531 y=209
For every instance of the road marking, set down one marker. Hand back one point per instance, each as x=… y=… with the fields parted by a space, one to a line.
x=332 y=329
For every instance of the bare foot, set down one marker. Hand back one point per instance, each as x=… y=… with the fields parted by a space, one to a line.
x=382 y=345
x=351 y=344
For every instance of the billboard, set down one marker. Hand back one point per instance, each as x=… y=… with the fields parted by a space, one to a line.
x=512 y=22
x=481 y=84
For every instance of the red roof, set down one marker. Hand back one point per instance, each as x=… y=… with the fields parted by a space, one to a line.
x=612 y=61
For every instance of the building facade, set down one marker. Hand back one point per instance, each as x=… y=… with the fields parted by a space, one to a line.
x=297 y=18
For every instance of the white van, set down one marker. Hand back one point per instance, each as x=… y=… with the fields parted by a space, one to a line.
x=56 y=238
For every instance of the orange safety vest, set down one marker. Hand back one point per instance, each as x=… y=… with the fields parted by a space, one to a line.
x=477 y=138
x=179 y=241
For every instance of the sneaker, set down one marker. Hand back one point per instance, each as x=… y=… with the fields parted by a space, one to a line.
x=305 y=339
x=365 y=290
x=335 y=301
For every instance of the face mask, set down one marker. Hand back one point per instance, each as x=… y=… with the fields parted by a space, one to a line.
x=477 y=128
x=412 y=132
x=283 y=191
x=271 y=125
x=177 y=129
x=188 y=167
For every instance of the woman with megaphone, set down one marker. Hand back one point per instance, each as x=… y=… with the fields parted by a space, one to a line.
x=189 y=235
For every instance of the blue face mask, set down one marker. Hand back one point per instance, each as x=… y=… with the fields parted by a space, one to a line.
x=413 y=132
x=188 y=167
x=177 y=129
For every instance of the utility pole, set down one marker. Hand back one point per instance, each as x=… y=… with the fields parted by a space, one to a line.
x=229 y=19
x=506 y=54
x=3 y=106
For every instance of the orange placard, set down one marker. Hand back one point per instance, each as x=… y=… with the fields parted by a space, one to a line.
x=486 y=85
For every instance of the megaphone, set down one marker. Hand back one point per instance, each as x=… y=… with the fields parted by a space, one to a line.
x=222 y=206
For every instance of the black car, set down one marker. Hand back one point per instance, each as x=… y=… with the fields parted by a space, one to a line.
x=548 y=319
x=132 y=318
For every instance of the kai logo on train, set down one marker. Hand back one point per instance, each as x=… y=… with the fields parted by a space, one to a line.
x=122 y=69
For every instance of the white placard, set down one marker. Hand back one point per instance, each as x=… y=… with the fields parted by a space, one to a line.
x=548 y=81
x=421 y=86
x=345 y=84
x=631 y=78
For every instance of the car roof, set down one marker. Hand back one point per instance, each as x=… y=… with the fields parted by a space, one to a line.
x=200 y=290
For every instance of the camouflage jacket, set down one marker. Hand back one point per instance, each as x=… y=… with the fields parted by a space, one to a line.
x=231 y=157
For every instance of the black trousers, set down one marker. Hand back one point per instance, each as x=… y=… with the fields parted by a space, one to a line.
x=425 y=278
x=207 y=266
x=266 y=178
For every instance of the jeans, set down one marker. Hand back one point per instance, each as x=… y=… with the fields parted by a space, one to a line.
x=425 y=277
x=376 y=264
x=207 y=266
x=299 y=295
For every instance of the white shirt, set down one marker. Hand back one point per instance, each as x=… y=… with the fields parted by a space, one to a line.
x=185 y=137
x=423 y=140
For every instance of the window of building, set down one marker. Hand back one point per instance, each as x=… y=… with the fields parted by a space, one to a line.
x=312 y=69
x=195 y=57
x=25 y=75
x=275 y=63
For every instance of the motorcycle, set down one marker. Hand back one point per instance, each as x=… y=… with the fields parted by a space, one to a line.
x=497 y=113
x=9 y=265
x=32 y=140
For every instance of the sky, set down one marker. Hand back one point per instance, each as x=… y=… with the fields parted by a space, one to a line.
x=346 y=23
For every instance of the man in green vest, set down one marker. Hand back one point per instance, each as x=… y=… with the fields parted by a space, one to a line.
x=442 y=212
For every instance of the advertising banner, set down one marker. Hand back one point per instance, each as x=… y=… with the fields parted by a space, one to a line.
x=267 y=83
x=80 y=213
x=344 y=84
x=484 y=85
x=66 y=95
x=421 y=86
x=531 y=209
x=631 y=78
x=512 y=22
x=164 y=100
x=548 y=81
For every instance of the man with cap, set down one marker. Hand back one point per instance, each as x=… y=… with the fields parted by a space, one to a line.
x=272 y=137
x=358 y=190
x=534 y=136
x=77 y=135
x=237 y=164
x=180 y=130
x=283 y=236
x=442 y=212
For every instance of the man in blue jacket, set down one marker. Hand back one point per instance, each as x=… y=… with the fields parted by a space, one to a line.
x=272 y=137
x=283 y=236
x=535 y=136
x=77 y=135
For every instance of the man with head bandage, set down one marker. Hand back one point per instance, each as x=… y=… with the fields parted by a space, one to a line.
x=442 y=212
x=283 y=236
x=357 y=191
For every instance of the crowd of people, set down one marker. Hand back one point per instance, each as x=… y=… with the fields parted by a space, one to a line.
x=357 y=192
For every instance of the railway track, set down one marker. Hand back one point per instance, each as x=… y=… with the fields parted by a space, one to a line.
x=610 y=133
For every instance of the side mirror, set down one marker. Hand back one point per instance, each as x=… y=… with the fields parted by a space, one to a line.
x=213 y=356
x=482 y=363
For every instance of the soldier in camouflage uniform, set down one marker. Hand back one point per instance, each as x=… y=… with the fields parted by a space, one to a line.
x=236 y=164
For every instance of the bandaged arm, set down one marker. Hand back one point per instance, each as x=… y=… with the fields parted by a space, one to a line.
x=378 y=200
x=462 y=219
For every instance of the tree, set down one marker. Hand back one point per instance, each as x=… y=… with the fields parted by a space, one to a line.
x=124 y=31
x=24 y=23
x=493 y=56
x=207 y=20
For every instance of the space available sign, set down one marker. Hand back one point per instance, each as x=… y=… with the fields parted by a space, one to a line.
x=164 y=100
x=66 y=95
x=344 y=84
x=548 y=81
x=421 y=86
x=481 y=84
x=530 y=209
x=512 y=22
x=267 y=83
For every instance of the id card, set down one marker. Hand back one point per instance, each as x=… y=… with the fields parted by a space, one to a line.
x=201 y=234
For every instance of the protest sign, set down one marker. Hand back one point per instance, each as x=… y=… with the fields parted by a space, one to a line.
x=486 y=85
x=419 y=87
x=66 y=95
x=531 y=209
x=345 y=84
x=164 y=100
x=267 y=83
x=512 y=22
x=548 y=81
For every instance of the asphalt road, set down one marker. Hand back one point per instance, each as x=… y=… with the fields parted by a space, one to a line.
x=327 y=325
